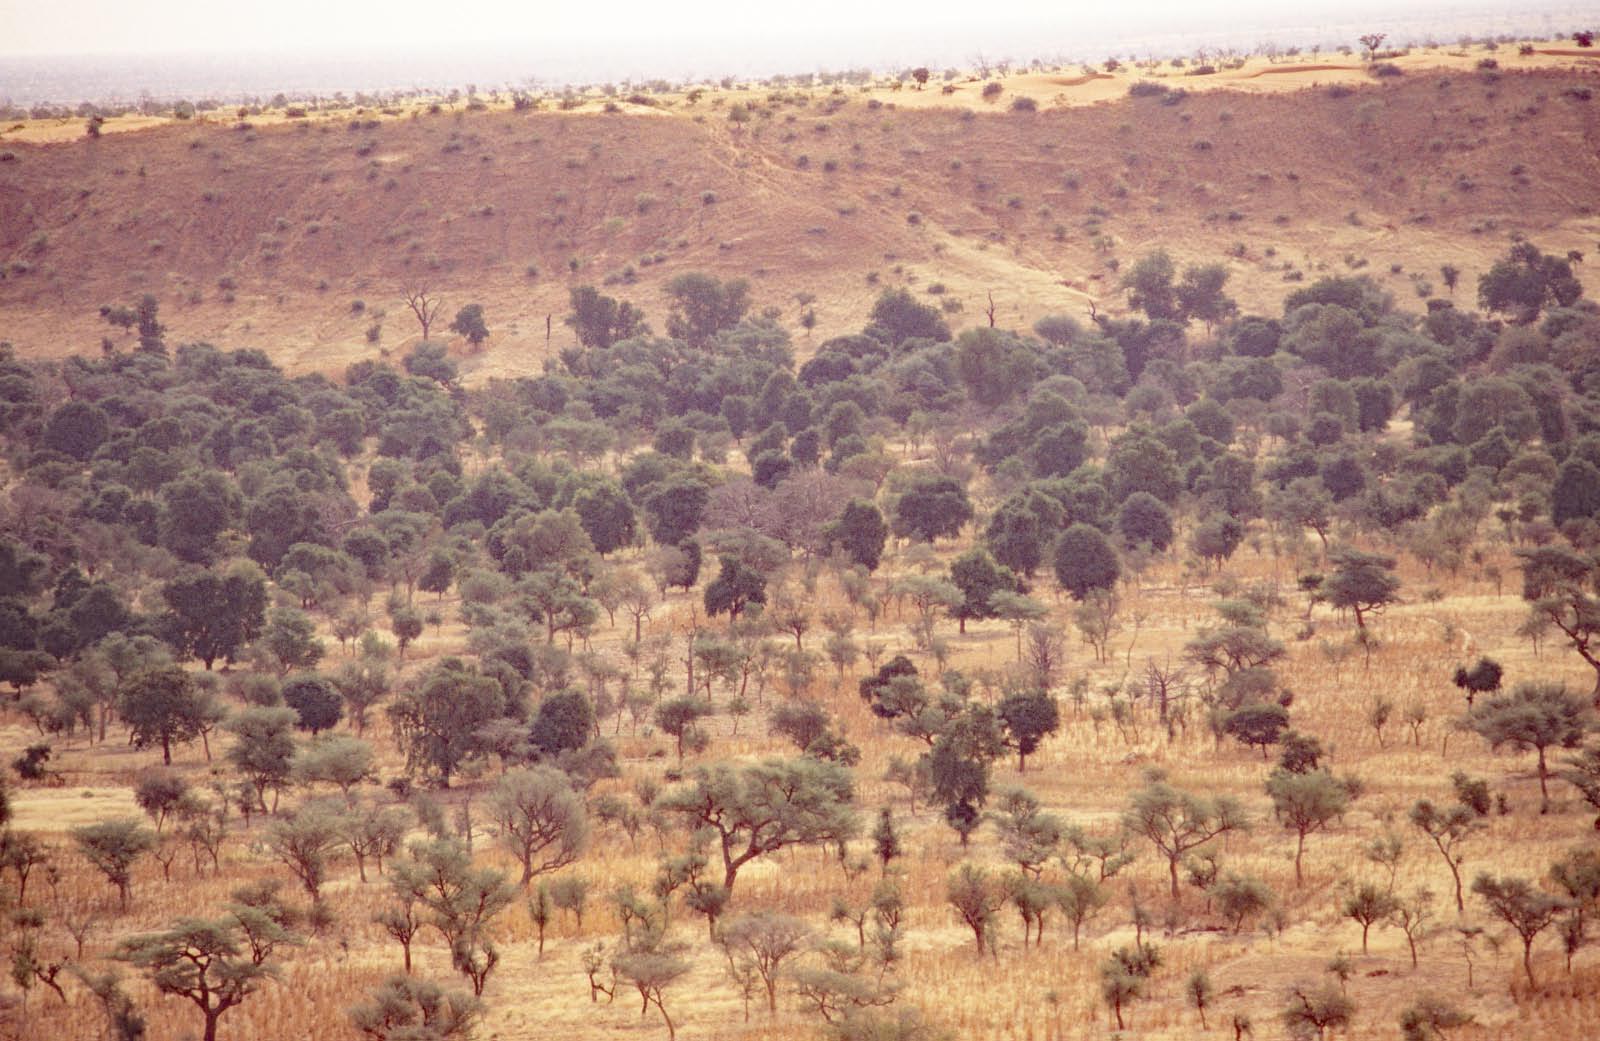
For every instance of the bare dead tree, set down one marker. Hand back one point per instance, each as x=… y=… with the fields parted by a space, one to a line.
x=1044 y=655
x=425 y=305
x=1165 y=684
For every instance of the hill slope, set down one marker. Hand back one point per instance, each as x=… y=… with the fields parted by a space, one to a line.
x=264 y=235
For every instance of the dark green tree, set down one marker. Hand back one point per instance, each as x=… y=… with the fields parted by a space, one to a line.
x=1526 y=281
x=861 y=533
x=978 y=577
x=76 y=429
x=1576 y=493
x=1084 y=561
x=162 y=706
x=1145 y=520
x=316 y=702
x=736 y=586
x=152 y=334
x=959 y=762
x=1215 y=538
x=931 y=506
x=600 y=321
x=196 y=509
x=703 y=306
x=564 y=722
x=674 y=509
x=437 y=720
x=469 y=324
x=1028 y=717
x=897 y=317
x=607 y=516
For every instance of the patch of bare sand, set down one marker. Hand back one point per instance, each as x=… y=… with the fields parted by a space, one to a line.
x=60 y=809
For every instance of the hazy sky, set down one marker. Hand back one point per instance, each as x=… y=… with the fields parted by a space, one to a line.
x=38 y=27
x=64 y=51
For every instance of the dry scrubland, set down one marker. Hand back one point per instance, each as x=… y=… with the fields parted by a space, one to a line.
x=1085 y=773
x=1389 y=179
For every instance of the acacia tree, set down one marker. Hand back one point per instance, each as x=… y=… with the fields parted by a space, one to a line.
x=461 y=900
x=758 y=809
x=1306 y=802
x=1176 y=822
x=765 y=941
x=1583 y=773
x=1536 y=716
x=401 y=1007
x=215 y=963
x=343 y=762
x=652 y=969
x=1317 y=1010
x=263 y=750
x=1449 y=826
x=542 y=820
x=1524 y=908
x=1360 y=582
x=1556 y=583
x=1368 y=904
x=305 y=841
x=976 y=898
x=113 y=846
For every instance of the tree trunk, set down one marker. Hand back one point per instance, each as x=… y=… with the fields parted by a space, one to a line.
x=1299 y=850
x=1172 y=869
x=166 y=750
x=1544 y=788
